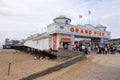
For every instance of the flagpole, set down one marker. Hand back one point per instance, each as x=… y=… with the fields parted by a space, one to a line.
x=88 y=18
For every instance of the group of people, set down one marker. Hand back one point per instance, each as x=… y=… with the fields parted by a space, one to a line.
x=107 y=49
x=86 y=49
x=83 y=48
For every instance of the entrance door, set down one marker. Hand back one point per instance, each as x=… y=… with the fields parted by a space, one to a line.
x=65 y=45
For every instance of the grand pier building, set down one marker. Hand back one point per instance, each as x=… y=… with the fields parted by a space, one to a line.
x=62 y=34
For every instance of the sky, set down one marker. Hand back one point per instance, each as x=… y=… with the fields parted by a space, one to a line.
x=22 y=18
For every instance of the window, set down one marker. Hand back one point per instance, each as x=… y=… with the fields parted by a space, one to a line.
x=66 y=21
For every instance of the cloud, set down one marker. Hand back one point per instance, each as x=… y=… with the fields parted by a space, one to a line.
x=22 y=17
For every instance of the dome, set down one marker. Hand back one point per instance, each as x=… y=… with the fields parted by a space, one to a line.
x=62 y=19
x=61 y=16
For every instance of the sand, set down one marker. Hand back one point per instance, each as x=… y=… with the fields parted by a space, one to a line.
x=96 y=67
x=22 y=64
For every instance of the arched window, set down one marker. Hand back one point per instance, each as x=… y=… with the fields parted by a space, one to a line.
x=66 y=21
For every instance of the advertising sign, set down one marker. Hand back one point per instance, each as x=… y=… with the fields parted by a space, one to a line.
x=54 y=40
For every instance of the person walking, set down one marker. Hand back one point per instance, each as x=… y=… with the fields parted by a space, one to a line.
x=111 y=49
x=83 y=48
x=89 y=49
x=106 y=50
x=115 y=50
x=98 y=50
x=86 y=50
x=103 y=50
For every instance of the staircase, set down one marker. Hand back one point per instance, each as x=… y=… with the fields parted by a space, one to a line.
x=64 y=54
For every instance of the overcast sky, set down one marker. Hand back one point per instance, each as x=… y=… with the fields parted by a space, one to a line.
x=21 y=18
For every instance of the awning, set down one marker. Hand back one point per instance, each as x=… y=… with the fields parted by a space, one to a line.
x=65 y=40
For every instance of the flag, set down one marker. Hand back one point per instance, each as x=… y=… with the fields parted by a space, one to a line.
x=80 y=16
x=89 y=12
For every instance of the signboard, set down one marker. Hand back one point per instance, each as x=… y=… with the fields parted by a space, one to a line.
x=54 y=40
x=85 y=31
x=81 y=31
x=61 y=27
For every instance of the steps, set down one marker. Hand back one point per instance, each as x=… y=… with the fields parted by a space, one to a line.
x=64 y=54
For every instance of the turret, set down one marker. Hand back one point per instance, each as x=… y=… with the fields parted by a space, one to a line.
x=62 y=19
x=101 y=27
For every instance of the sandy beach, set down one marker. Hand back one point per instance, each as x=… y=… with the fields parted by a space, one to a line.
x=96 y=67
x=22 y=64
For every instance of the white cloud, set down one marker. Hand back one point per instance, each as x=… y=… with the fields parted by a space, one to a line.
x=22 y=17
